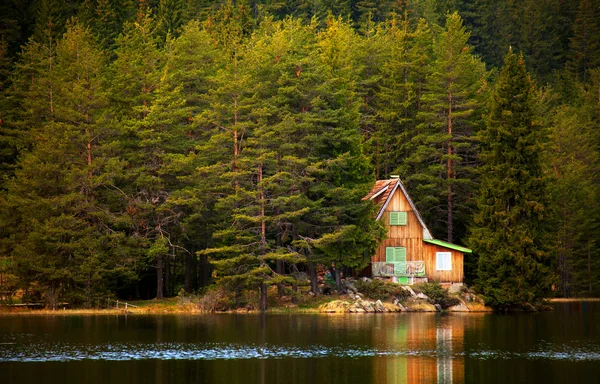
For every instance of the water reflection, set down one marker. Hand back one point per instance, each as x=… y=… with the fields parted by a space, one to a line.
x=390 y=348
x=442 y=336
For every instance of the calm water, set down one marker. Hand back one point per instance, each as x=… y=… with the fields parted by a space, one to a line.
x=552 y=347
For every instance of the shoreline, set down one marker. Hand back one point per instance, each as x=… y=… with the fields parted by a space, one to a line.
x=572 y=299
x=168 y=307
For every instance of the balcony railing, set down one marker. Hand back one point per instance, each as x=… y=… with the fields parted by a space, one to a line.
x=399 y=269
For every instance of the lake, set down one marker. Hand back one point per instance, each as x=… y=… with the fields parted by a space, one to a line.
x=549 y=347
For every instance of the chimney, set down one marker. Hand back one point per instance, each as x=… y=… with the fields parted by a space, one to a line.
x=394 y=177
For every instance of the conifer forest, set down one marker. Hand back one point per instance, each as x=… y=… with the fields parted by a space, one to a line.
x=152 y=147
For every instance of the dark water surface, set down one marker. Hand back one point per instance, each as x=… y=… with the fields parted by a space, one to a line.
x=551 y=347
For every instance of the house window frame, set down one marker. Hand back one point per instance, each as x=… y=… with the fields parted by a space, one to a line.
x=443 y=261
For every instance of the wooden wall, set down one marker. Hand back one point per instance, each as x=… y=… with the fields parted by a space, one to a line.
x=411 y=237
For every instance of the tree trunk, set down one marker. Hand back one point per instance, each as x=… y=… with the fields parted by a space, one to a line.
x=295 y=294
x=279 y=271
x=174 y=274
x=312 y=271
x=589 y=266
x=159 y=277
x=167 y=286
x=263 y=297
x=338 y=281
x=188 y=273
x=205 y=271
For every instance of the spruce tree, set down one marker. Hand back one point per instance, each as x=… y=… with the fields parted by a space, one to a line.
x=135 y=76
x=440 y=164
x=584 y=46
x=509 y=232
x=575 y=194
x=63 y=243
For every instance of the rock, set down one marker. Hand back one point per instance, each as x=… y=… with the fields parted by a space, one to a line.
x=366 y=279
x=409 y=289
x=438 y=307
x=358 y=295
x=357 y=305
x=351 y=296
x=367 y=306
x=311 y=293
x=349 y=285
x=360 y=310
x=395 y=301
x=423 y=296
x=458 y=308
x=379 y=306
x=455 y=288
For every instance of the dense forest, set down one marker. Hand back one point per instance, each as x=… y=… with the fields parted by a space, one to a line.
x=153 y=146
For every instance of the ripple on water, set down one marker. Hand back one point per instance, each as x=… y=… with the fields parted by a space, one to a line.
x=62 y=352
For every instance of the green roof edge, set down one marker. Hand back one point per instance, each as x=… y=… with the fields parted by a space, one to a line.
x=448 y=245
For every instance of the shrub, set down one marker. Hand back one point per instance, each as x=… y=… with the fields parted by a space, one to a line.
x=437 y=294
x=381 y=290
x=216 y=299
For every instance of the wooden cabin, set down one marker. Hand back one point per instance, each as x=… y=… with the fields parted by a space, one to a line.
x=410 y=254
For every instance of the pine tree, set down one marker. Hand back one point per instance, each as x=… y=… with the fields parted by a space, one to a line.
x=584 y=46
x=397 y=98
x=510 y=228
x=62 y=241
x=443 y=157
x=575 y=167
x=182 y=95
x=340 y=169
x=135 y=76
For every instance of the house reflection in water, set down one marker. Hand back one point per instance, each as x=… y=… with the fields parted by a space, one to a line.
x=426 y=348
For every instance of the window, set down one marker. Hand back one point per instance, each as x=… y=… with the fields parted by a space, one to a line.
x=443 y=261
x=398 y=218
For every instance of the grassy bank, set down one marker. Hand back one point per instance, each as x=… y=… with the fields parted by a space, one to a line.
x=373 y=296
x=572 y=299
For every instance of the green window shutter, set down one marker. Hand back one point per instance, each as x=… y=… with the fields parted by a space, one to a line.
x=400 y=259
x=400 y=254
x=398 y=218
x=389 y=254
x=402 y=218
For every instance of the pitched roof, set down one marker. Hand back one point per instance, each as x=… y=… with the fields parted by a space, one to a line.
x=381 y=193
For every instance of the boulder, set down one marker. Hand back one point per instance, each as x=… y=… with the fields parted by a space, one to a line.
x=349 y=285
x=423 y=296
x=458 y=308
x=410 y=290
x=379 y=306
x=455 y=288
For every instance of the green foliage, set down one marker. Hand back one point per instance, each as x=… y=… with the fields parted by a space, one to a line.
x=247 y=133
x=381 y=290
x=437 y=294
x=510 y=232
